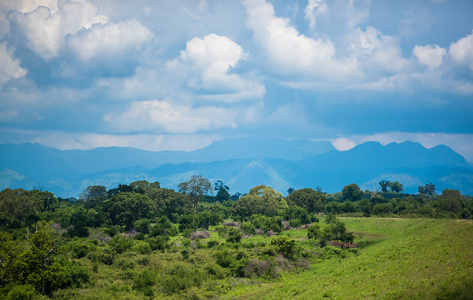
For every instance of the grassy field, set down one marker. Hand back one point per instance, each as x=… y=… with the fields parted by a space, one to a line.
x=399 y=259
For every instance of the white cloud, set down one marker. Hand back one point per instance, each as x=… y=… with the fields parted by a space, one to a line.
x=110 y=39
x=431 y=56
x=343 y=144
x=167 y=117
x=10 y=66
x=292 y=53
x=461 y=51
x=309 y=11
x=211 y=59
x=44 y=30
x=377 y=52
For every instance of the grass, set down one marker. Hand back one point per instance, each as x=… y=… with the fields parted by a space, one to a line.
x=407 y=259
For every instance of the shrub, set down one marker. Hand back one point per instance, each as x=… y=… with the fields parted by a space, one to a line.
x=181 y=277
x=221 y=231
x=21 y=292
x=295 y=223
x=142 y=248
x=287 y=247
x=211 y=244
x=224 y=258
x=142 y=226
x=144 y=281
x=248 y=228
x=257 y=268
x=234 y=236
x=121 y=244
x=158 y=243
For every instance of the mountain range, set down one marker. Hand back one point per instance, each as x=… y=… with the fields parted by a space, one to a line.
x=241 y=163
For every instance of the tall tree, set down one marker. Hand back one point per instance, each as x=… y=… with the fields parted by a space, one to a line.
x=309 y=199
x=222 y=191
x=352 y=192
x=428 y=189
x=126 y=208
x=396 y=187
x=384 y=185
x=196 y=187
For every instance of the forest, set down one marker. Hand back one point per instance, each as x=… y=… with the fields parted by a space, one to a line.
x=139 y=240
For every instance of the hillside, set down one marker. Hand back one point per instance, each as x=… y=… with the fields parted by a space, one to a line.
x=406 y=259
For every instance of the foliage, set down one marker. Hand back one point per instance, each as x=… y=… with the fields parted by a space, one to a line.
x=286 y=247
x=234 y=236
x=352 y=192
x=309 y=199
x=195 y=187
x=126 y=208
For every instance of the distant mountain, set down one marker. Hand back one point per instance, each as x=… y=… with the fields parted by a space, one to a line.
x=240 y=163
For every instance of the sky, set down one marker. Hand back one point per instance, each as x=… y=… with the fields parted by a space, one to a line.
x=178 y=75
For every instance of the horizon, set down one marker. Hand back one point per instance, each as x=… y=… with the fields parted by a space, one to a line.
x=180 y=75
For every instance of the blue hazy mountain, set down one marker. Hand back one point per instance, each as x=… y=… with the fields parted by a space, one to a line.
x=240 y=163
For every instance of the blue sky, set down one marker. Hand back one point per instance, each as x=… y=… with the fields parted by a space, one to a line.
x=156 y=75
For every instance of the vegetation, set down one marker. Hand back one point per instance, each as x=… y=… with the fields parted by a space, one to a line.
x=142 y=241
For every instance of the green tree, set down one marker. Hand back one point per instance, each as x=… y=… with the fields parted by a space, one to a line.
x=222 y=191
x=313 y=201
x=196 y=187
x=384 y=185
x=126 y=208
x=260 y=200
x=396 y=187
x=428 y=189
x=352 y=192
x=17 y=205
x=43 y=273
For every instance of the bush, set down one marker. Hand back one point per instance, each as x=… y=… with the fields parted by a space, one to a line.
x=142 y=248
x=181 y=277
x=144 y=281
x=287 y=247
x=211 y=244
x=257 y=268
x=158 y=243
x=224 y=258
x=295 y=223
x=142 y=226
x=221 y=231
x=234 y=236
x=121 y=244
x=73 y=275
x=248 y=228
x=21 y=292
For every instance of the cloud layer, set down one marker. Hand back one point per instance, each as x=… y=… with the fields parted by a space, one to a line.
x=79 y=73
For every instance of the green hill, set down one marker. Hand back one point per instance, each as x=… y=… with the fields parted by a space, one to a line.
x=407 y=259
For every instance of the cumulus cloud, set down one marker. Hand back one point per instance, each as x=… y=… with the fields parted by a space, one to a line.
x=376 y=51
x=44 y=29
x=461 y=51
x=211 y=59
x=10 y=66
x=109 y=39
x=309 y=11
x=431 y=56
x=292 y=53
x=167 y=117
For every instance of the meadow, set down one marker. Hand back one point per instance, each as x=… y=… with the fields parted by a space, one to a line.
x=398 y=259
x=395 y=259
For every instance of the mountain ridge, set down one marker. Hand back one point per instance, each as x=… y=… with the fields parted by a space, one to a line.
x=240 y=163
